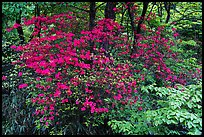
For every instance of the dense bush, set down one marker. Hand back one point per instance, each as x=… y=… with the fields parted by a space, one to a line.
x=79 y=82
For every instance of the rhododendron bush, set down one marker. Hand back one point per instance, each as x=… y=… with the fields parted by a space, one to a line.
x=60 y=76
x=64 y=73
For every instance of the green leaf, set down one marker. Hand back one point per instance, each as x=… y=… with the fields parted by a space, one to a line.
x=189 y=124
x=181 y=119
x=168 y=122
x=189 y=104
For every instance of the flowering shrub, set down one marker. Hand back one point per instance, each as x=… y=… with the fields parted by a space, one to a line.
x=66 y=74
x=61 y=78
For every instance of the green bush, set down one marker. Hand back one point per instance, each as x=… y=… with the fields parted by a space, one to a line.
x=176 y=111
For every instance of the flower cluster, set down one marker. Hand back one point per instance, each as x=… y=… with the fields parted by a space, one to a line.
x=62 y=71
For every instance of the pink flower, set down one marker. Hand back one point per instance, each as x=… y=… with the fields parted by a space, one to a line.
x=77 y=102
x=20 y=74
x=41 y=95
x=19 y=48
x=13 y=47
x=176 y=34
x=45 y=108
x=42 y=112
x=173 y=29
x=22 y=85
x=57 y=76
x=33 y=100
x=45 y=72
x=37 y=112
x=9 y=29
x=3 y=77
x=49 y=79
x=76 y=43
x=37 y=78
x=83 y=109
x=135 y=91
x=52 y=107
x=88 y=90
x=57 y=93
x=51 y=113
x=64 y=100
x=114 y=9
x=46 y=123
x=92 y=109
x=16 y=25
x=107 y=91
x=118 y=97
x=140 y=108
x=45 y=118
x=51 y=118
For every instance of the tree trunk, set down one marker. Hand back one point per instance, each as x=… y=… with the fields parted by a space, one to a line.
x=20 y=29
x=167 y=6
x=131 y=15
x=37 y=13
x=109 y=12
x=20 y=32
x=145 y=6
x=92 y=16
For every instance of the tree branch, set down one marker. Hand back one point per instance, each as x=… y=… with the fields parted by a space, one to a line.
x=79 y=8
x=100 y=5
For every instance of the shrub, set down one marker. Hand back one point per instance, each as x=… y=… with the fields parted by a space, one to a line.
x=176 y=111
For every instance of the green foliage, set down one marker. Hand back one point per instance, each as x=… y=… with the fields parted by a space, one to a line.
x=188 y=19
x=178 y=111
x=16 y=115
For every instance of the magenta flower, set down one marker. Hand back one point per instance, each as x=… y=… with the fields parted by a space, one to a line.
x=13 y=47
x=51 y=118
x=176 y=34
x=22 y=85
x=140 y=108
x=16 y=25
x=9 y=29
x=51 y=113
x=46 y=123
x=20 y=74
x=3 y=77
x=173 y=29
x=83 y=109
x=57 y=93
x=64 y=100
x=77 y=102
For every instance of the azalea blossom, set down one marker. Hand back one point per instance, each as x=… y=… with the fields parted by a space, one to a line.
x=22 y=85
x=4 y=77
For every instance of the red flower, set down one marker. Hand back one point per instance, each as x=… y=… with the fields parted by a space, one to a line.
x=114 y=9
x=83 y=109
x=13 y=47
x=174 y=29
x=57 y=93
x=64 y=100
x=20 y=74
x=176 y=34
x=140 y=108
x=22 y=85
x=3 y=77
